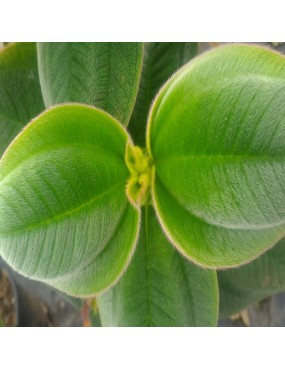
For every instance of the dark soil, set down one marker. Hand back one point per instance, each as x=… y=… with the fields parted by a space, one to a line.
x=7 y=301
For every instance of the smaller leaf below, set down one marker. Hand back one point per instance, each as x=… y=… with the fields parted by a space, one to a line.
x=160 y=287
x=253 y=282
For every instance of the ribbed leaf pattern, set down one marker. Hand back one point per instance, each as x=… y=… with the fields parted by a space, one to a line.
x=215 y=160
x=253 y=282
x=64 y=215
x=160 y=287
x=105 y=75
x=21 y=98
x=216 y=134
x=160 y=61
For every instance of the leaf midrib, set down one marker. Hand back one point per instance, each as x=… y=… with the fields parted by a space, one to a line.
x=51 y=148
x=63 y=215
x=181 y=205
x=145 y=227
x=220 y=156
x=100 y=252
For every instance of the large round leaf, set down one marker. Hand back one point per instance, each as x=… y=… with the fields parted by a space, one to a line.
x=64 y=215
x=160 y=287
x=216 y=133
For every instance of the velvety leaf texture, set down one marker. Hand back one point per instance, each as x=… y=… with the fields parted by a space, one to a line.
x=216 y=133
x=253 y=282
x=105 y=75
x=160 y=61
x=20 y=91
x=64 y=215
x=160 y=287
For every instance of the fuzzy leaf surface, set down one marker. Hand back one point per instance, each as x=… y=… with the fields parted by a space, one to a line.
x=105 y=74
x=216 y=133
x=160 y=287
x=160 y=61
x=253 y=282
x=64 y=215
x=20 y=91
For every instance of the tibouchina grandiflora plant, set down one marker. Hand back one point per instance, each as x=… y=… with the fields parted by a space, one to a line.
x=141 y=174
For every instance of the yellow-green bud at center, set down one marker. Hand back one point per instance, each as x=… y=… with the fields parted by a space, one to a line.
x=140 y=167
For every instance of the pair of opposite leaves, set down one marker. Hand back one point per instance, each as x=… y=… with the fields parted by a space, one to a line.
x=72 y=182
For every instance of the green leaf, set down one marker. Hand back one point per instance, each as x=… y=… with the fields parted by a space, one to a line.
x=95 y=320
x=160 y=61
x=64 y=215
x=94 y=316
x=216 y=133
x=160 y=287
x=253 y=282
x=105 y=75
x=20 y=91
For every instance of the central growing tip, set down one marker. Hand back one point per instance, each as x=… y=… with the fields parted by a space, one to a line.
x=140 y=166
